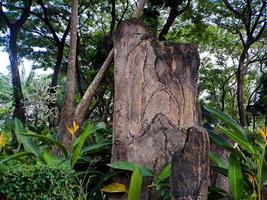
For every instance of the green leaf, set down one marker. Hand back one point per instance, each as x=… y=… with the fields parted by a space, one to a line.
x=15 y=156
x=220 y=141
x=135 y=185
x=227 y=120
x=114 y=188
x=28 y=144
x=128 y=166
x=217 y=160
x=50 y=159
x=165 y=173
x=238 y=138
x=235 y=177
x=94 y=147
x=78 y=144
x=221 y=170
x=42 y=137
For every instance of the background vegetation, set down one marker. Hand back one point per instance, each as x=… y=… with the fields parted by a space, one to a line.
x=231 y=37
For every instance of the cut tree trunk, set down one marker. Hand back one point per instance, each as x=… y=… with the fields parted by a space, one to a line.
x=155 y=98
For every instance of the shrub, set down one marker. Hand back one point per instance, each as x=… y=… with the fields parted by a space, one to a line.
x=36 y=182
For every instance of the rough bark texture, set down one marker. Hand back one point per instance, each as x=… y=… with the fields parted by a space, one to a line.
x=67 y=110
x=190 y=167
x=155 y=98
x=14 y=28
x=19 y=110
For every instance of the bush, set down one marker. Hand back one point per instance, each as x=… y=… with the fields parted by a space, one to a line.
x=36 y=182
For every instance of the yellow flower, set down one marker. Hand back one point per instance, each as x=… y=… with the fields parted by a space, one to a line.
x=263 y=134
x=250 y=178
x=2 y=141
x=73 y=129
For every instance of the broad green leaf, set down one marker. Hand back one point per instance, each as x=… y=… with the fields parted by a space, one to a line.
x=135 y=185
x=165 y=173
x=114 y=188
x=50 y=159
x=42 y=137
x=18 y=129
x=216 y=138
x=220 y=141
x=78 y=144
x=235 y=177
x=15 y=156
x=238 y=138
x=227 y=120
x=28 y=144
x=94 y=147
x=128 y=166
x=217 y=160
x=221 y=170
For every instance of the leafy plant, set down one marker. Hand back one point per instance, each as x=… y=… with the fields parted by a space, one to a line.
x=247 y=162
x=36 y=182
x=160 y=182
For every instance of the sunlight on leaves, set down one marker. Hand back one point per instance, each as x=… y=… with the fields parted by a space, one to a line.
x=114 y=188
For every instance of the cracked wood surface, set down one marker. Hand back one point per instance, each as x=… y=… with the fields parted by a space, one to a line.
x=155 y=97
x=190 y=167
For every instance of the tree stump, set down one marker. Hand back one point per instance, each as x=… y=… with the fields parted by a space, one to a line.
x=190 y=167
x=155 y=98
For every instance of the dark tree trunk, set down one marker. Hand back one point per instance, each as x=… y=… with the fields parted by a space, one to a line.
x=240 y=86
x=171 y=18
x=155 y=98
x=19 y=111
x=60 y=53
x=67 y=110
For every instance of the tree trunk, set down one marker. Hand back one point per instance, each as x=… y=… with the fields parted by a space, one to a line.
x=19 y=111
x=67 y=110
x=155 y=98
x=84 y=104
x=240 y=93
x=60 y=51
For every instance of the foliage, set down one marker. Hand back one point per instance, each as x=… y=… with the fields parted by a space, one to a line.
x=247 y=160
x=160 y=182
x=36 y=182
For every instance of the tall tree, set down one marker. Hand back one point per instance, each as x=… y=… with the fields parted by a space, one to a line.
x=14 y=28
x=249 y=24
x=67 y=111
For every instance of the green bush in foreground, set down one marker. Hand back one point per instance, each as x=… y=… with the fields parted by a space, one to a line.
x=36 y=182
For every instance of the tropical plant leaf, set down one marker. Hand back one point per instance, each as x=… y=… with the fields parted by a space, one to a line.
x=94 y=147
x=128 y=166
x=238 y=138
x=78 y=144
x=221 y=170
x=235 y=177
x=165 y=173
x=15 y=156
x=114 y=188
x=42 y=137
x=227 y=120
x=135 y=185
x=50 y=159
x=220 y=141
x=217 y=160
x=28 y=144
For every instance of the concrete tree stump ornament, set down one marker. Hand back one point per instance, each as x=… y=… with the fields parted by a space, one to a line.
x=155 y=100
